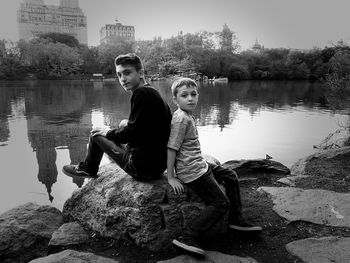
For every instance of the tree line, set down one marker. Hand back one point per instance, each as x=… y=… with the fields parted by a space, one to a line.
x=60 y=56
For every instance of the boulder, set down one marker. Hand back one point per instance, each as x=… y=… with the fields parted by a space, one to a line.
x=256 y=168
x=326 y=169
x=212 y=256
x=325 y=249
x=148 y=214
x=339 y=138
x=69 y=234
x=25 y=231
x=306 y=165
x=315 y=205
x=73 y=256
x=290 y=180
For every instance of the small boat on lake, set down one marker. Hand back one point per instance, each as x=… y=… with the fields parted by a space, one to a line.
x=97 y=77
x=220 y=80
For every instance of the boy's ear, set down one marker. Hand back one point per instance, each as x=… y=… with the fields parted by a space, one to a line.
x=174 y=100
x=142 y=73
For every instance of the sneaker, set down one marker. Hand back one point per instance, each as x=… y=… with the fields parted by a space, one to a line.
x=189 y=245
x=241 y=225
x=78 y=170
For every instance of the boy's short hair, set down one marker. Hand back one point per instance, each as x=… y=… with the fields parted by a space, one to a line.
x=188 y=82
x=129 y=59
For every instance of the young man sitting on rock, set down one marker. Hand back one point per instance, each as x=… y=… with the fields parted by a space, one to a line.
x=184 y=157
x=139 y=144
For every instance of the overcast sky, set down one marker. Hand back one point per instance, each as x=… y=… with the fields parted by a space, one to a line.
x=275 y=23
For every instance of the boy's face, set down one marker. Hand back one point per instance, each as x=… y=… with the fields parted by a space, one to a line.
x=186 y=98
x=129 y=77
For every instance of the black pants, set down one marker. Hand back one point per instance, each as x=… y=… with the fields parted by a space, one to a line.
x=120 y=153
x=217 y=202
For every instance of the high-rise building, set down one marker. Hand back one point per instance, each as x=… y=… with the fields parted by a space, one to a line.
x=34 y=17
x=110 y=33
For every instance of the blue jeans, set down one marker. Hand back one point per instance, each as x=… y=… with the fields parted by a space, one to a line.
x=217 y=202
x=120 y=153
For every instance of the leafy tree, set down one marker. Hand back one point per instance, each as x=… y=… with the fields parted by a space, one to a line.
x=10 y=63
x=208 y=40
x=50 y=60
x=90 y=60
x=276 y=54
x=302 y=71
x=151 y=51
x=109 y=51
x=11 y=68
x=193 y=40
x=66 y=39
x=2 y=49
x=238 y=72
x=176 y=46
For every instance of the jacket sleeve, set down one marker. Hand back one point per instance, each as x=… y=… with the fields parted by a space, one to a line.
x=136 y=122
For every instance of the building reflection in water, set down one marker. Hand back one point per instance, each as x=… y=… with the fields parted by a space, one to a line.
x=58 y=114
x=47 y=174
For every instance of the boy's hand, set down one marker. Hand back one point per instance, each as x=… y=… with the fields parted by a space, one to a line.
x=123 y=123
x=99 y=131
x=176 y=185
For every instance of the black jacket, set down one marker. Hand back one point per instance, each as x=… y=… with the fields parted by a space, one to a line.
x=147 y=132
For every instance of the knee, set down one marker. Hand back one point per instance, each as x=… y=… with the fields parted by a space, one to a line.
x=223 y=206
x=235 y=175
x=93 y=139
x=96 y=138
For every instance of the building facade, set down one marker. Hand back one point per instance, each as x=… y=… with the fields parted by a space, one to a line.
x=110 y=33
x=34 y=17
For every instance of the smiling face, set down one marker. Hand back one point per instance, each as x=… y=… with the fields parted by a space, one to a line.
x=186 y=98
x=129 y=77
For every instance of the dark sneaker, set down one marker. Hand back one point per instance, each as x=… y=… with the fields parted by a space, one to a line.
x=241 y=225
x=78 y=170
x=189 y=245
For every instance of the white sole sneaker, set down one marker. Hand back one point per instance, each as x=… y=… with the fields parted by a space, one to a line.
x=245 y=229
x=81 y=174
x=188 y=248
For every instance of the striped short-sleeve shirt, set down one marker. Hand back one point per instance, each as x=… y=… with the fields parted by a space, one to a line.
x=189 y=162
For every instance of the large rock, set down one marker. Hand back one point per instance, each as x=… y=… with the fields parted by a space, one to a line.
x=327 y=169
x=212 y=256
x=326 y=160
x=69 y=234
x=67 y=256
x=256 y=168
x=146 y=213
x=25 y=231
x=339 y=138
x=315 y=205
x=321 y=250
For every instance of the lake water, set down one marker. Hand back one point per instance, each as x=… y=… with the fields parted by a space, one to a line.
x=45 y=125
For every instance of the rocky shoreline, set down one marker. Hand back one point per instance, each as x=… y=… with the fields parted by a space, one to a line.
x=117 y=219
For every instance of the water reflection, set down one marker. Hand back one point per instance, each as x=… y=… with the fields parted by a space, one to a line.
x=219 y=104
x=57 y=116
